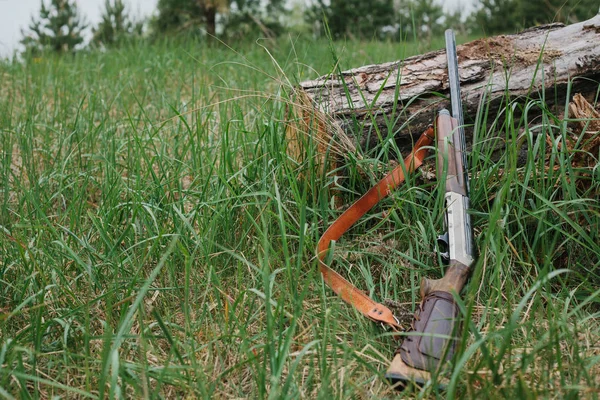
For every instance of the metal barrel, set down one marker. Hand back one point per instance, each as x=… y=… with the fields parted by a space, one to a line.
x=457 y=110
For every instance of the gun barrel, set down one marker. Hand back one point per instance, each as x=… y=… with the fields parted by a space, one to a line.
x=457 y=111
x=450 y=157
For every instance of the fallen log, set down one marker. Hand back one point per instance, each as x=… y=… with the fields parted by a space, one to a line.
x=358 y=107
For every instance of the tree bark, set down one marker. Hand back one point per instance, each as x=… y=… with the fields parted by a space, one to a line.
x=545 y=62
x=211 y=20
x=209 y=11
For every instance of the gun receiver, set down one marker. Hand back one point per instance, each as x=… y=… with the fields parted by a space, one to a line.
x=432 y=340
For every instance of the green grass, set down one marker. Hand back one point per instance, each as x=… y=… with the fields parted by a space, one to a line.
x=156 y=241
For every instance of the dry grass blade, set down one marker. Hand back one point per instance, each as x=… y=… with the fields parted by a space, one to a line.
x=587 y=132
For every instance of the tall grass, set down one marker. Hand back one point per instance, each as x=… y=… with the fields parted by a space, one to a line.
x=156 y=241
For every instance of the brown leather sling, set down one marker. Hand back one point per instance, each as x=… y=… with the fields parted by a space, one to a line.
x=347 y=291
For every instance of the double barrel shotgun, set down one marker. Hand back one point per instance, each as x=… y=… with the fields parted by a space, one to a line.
x=431 y=342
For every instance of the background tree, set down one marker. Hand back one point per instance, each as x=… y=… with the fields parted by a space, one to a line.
x=59 y=28
x=455 y=20
x=208 y=10
x=355 y=19
x=507 y=16
x=495 y=16
x=231 y=17
x=177 y=16
x=251 y=17
x=115 y=26
x=538 y=12
x=421 y=19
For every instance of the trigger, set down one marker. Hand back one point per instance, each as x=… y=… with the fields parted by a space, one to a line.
x=442 y=242
x=445 y=257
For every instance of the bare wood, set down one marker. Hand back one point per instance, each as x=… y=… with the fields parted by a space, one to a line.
x=534 y=63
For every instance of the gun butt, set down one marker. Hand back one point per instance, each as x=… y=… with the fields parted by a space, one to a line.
x=433 y=339
x=401 y=376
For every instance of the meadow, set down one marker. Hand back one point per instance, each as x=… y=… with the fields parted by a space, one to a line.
x=156 y=241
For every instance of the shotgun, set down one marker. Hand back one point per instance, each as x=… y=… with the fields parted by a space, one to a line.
x=432 y=341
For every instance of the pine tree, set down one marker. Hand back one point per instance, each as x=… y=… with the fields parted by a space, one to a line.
x=249 y=18
x=496 y=16
x=116 y=26
x=455 y=20
x=422 y=18
x=234 y=15
x=183 y=15
x=539 y=12
x=354 y=18
x=508 y=16
x=59 y=28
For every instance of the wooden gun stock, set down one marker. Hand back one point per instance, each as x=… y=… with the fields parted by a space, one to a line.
x=431 y=341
